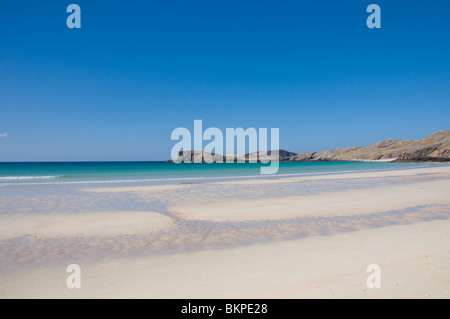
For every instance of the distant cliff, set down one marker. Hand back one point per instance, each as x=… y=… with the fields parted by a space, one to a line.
x=435 y=147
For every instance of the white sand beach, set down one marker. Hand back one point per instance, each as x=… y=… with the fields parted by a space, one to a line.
x=414 y=263
x=340 y=203
x=82 y=224
x=397 y=219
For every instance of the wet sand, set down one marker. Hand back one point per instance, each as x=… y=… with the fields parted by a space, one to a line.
x=313 y=237
x=86 y=224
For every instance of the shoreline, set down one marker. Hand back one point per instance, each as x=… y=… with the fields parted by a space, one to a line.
x=59 y=180
x=290 y=237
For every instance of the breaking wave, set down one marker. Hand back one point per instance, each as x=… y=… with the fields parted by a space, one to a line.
x=20 y=178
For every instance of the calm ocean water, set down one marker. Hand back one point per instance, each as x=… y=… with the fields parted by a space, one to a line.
x=102 y=172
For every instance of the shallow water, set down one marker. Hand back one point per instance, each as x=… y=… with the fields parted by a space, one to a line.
x=185 y=235
x=163 y=172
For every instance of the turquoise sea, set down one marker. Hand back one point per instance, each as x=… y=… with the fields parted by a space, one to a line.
x=163 y=172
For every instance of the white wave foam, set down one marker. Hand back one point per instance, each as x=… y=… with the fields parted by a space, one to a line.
x=19 y=178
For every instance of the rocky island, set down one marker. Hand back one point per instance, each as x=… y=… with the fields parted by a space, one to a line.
x=433 y=148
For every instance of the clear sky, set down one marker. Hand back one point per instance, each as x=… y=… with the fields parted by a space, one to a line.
x=116 y=88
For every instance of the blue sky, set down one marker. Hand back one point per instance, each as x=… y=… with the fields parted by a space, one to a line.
x=116 y=88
